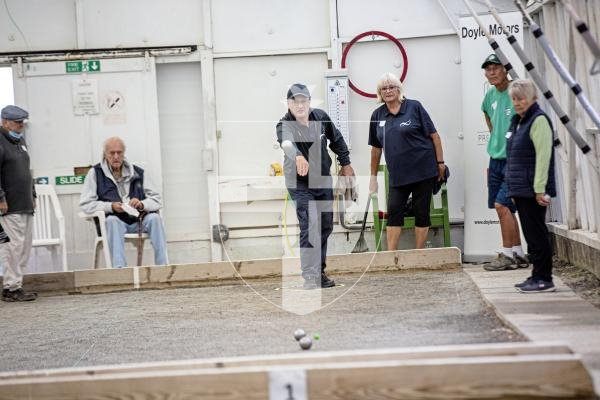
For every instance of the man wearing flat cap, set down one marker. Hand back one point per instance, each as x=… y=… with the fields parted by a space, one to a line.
x=498 y=110
x=17 y=203
x=303 y=134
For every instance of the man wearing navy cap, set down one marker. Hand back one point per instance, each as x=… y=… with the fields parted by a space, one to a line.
x=17 y=203
x=303 y=134
x=498 y=110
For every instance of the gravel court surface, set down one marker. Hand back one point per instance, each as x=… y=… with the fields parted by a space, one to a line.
x=391 y=309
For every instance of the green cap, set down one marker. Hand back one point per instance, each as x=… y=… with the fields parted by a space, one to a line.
x=491 y=59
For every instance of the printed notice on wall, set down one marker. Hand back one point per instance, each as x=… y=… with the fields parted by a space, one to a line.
x=113 y=108
x=85 y=97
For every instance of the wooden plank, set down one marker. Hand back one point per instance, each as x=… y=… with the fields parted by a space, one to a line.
x=385 y=354
x=103 y=280
x=116 y=279
x=172 y=275
x=215 y=384
x=562 y=376
x=57 y=282
x=501 y=377
x=428 y=259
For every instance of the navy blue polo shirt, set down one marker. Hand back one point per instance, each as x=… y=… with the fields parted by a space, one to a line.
x=406 y=142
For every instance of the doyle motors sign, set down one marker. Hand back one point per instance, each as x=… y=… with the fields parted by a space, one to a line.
x=494 y=30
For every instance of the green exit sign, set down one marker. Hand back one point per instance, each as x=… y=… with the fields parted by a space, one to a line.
x=73 y=67
x=70 y=180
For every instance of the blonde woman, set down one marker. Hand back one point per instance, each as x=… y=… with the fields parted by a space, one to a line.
x=402 y=129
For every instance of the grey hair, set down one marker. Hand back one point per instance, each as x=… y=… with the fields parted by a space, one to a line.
x=394 y=80
x=112 y=139
x=522 y=89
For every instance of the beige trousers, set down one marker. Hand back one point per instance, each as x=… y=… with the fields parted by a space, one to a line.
x=14 y=255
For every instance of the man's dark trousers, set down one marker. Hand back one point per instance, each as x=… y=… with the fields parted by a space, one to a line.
x=314 y=231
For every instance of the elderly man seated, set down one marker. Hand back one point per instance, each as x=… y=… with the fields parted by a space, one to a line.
x=120 y=188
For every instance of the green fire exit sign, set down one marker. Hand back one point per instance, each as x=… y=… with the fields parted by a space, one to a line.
x=73 y=67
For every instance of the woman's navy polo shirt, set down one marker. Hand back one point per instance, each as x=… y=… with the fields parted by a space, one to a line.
x=406 y=142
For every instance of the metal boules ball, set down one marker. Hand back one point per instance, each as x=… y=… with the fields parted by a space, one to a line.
x=306 y=343
x=299 y=334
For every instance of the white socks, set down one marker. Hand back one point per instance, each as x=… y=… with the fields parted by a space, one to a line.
x=519 y=250
x=508 y=251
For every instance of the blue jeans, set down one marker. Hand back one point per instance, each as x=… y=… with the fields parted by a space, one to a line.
x=497 y=190
x=314 y=209
x=152 y=225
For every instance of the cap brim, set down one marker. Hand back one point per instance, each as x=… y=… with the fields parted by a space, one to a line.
x=298 y=94
x=485 y=64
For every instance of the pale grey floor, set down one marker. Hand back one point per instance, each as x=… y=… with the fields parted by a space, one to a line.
x=382 y=310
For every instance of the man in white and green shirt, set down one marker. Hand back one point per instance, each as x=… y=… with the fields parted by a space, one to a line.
x=498 y=110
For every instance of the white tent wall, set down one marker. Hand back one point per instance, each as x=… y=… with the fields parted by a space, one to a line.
x=41 y=25
x=246 y=132
x=232 y=90
x=403 y=19
x=269 y=25
x=136 y=23
x=255 y=50
x=182 y=141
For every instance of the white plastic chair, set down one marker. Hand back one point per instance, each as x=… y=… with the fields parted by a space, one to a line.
x=44 y=232
x=102 y=241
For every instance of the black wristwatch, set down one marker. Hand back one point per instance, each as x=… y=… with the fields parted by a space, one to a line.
x=440 y=162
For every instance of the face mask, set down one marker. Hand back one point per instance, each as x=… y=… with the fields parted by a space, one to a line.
x=15 y=135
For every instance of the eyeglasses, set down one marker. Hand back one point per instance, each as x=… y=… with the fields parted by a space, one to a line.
x=388 y=88
x=19 y=122
x=298 y=102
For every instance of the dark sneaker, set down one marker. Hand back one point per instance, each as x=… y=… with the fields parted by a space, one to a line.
x=522 y=261
x=501 y=263
x=17 y=295
x=326 y=282
x=311 y=283
x=538 y=286
x=524 y=283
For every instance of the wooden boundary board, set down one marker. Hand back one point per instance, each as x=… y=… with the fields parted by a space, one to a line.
x=471 y=377
x=398 y=353
x=215 y=273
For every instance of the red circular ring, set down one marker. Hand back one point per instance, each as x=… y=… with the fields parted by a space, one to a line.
x=372 y=33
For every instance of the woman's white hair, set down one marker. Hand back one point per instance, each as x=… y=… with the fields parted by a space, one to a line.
x=389 y=79
x=522 y=89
